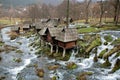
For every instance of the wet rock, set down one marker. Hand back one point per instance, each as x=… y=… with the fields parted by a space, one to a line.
x=1 y=50
x=105 y=43
x=13 y=35
x=116 y=42
x=106 y=63
x=8 y=48
x=71 y=65
x=102 y=53
x=19 y=43
x=108 y=38
x=117 y=55
x=19 y=51
x=54 y=78
x=112 y=51
x=53 y=67
x=2 y=77
x=18 y=60
x=40 y=72
x=93 y=44
x=1 y=43
x=83 y=75
x=116 y=66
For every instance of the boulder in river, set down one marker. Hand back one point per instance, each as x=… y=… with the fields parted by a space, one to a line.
x=116 y=66
x=93 y=44
x=95 y=58
x=53 y=67
x=106 y=63
x=111 y=52
x=102 y=53
x=83 y=76
x=71 y=65
x=40 y=72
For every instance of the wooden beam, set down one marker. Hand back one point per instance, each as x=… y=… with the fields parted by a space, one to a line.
x=64 y=52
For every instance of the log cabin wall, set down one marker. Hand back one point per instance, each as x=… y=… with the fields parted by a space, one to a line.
x=49 y=38
x=67 y=45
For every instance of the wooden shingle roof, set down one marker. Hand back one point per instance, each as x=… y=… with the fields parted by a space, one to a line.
x=39 y=25
x=42 y=31
x=67 y=35
x=52 y=22
x=54 y=31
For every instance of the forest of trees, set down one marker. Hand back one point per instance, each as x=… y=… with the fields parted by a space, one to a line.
x=86 y=10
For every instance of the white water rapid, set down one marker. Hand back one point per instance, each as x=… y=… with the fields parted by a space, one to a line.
x=26 y=58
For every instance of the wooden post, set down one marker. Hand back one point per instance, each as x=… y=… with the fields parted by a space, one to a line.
x=56 y=49
x=51 y=48
x=64 y=51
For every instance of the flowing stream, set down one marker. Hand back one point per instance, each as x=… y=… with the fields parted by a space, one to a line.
x=14 y=70
x=26 y=58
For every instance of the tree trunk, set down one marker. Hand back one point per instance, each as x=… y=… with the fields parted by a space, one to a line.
x=87 y=9
x=117 y=7
x=101 y=12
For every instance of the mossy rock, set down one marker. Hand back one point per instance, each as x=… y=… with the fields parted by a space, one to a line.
x=93 y=44
x=18 y=60
x=102 y=53
x=83 y=76
x=71 y=65
x=53 y=67
x=40 y=72
x=8 y=48
x=66 y=58
x=116 y=66
x=19 y=51
x=31 y=44
x=112 y=51
x=19 y=43
x=116 y=42
x=13 y=35
x=1 y=43
x=54 y=78
x=38 y=52
x=117 y=55
x=57 y=54
x=106 y=64
x=108 y=38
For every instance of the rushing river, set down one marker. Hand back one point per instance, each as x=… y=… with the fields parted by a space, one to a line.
x=25 y=70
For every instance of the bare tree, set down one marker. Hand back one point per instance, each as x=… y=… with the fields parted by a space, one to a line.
x=101 y=11
x=117 y=11
x=87 y=4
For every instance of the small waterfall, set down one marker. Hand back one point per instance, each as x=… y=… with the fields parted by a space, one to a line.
x=5 y=37
x=72 y=57
x=26 y=58
x=17 y=70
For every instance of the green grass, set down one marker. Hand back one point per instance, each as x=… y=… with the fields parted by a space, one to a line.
x=88 y=30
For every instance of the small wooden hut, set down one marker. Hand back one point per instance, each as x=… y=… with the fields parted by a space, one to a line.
x=67 y=39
